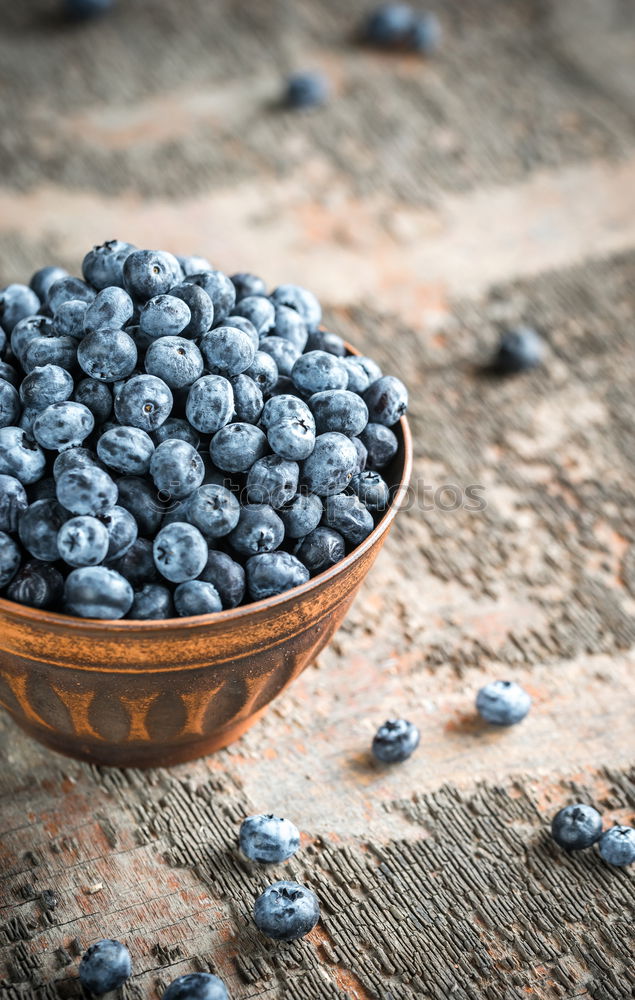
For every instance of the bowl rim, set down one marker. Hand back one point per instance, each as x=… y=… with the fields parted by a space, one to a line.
x=243 y=611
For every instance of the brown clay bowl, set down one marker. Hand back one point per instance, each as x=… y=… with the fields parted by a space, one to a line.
x=146 y=694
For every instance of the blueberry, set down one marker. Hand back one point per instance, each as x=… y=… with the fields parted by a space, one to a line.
x=147 y=273
x=264 y=371
x=136 y=565
x=69 y=319
x=259 y=529
x=12 y=502
x=210 y=403
x=290 y=427
x=68 y=288
x=97 y=396
x=180 y=552
x=86 y=491
x=103 y=265
x=112 y=308
x=267 y=838
x=317 y=372
x=387 y=400
x=75 y=458
x=16 y=303
x=152 y=601
x=63 y=425
x=46 y=385
x=425 y=34
x=145 y=401
x=176 y=427
x=321 y=548
x=284 y=353
x=617 y=846
x=176 y=469
x=213 y=510
x=196 y=597
x=8 y=373
x=38 y=527
x=248 y=401
x=290 y=326
x=272 y=480
x=323 y=340
x=49 y=350
x=106 y=965
x=220 y=290
x=302 y=301
x=82 y=541
x=241 y=323
x=176 y=360
x=140 y=498
x=301 y=514
x=348 y=515
x=227 y=350
x=247 y=284
x=307 y=89
x=164 y=316
x=576 y=827
x=10 y=558
x=372 y=490
x=193 y=264
x=201 y=309
x=259 y=310
x=236 y=447
x=108 y=355
x=502 y=703
x=227 y=576
x=286 y=911
x=20 y=456
x=339 y=410
x=395 y=741
x=38 y=585
x=197 y=986
x=42 y=280
x=519 y=350
x=28 y=330
x=128 y=450
x=10 y=408
x=381 y=445
x=331 y=465
x=362 y=372
x=81 y=10
x=388 y=26
x=122 y=531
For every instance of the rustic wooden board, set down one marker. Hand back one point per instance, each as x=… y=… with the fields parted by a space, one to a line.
x=429 y=205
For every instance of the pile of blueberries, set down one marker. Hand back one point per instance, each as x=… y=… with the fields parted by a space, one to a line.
x=174 y=441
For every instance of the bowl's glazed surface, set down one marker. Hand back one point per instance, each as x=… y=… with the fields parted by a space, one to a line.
x=143 y=693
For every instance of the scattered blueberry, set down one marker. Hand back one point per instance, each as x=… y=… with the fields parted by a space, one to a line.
x=425 y=34
x=197 y=986
x=307 y=89
x=395 y=741
x=617 y=846
x=286 y=911
x=502 y=703
x=81 y=10
x=268 y=839
x=576 y=827
x=389 y=24
x=105 y=965
x=519 y=350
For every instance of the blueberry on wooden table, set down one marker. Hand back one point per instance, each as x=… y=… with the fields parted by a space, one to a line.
x=105 y=966
x=268 y=839
x=395 y=741
x=286 y=911
x=306 y=89
x=519 y=350
x=576 y=826
x=502 y=703
x=197 y=986
x=617 y=846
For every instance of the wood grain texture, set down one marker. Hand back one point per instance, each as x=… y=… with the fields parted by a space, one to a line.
x=437 y=878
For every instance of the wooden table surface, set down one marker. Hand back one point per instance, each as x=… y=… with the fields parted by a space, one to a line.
x=429 y=205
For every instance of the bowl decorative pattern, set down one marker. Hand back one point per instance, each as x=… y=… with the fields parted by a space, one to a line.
x=153 y=693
